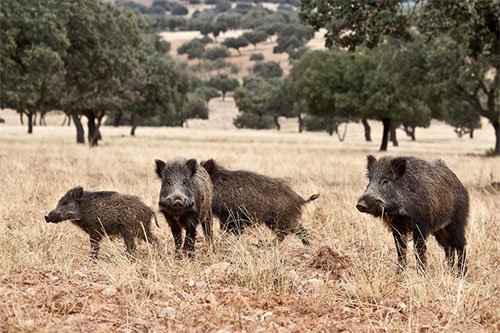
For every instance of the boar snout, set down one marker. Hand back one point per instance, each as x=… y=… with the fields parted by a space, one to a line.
x=370 y=205
x=362 y=206
x=53 y=217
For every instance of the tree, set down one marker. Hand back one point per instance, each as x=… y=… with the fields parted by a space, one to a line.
x=223 y=83
x=177 y=9
x=255 y=37
x=464 y=118
x=256 y=57
x=318 y=80
x=252 y=98
x=235 y=43
x=195 y=108
x=207 y=93
x=268 y=69
x=33 y=41
x=194 y=49
x=101 y=59
x=222 y=6
x=292 y=37
x=217 y=52
x=470 y=30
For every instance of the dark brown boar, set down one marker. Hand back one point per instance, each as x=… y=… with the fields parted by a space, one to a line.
x=185 y=201
x=105 y=213
x=242 y=198
x=413 y=195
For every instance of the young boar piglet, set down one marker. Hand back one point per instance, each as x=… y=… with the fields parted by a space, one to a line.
x=242 y=198
x=105 y=213
x=419 y=197
x=185 y=201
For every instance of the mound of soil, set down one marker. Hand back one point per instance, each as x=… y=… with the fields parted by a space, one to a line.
x=327 y=259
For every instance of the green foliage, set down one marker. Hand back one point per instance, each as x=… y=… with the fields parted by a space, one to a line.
x=193 y=49
x=33 y=43
x=256 y=57
x=255 y=37
x=177 y=9
x=223 y=83
x=207 y=93
x=235 y=43
x=195 y=108
x=292 y=37
x=351 y=24
x=463 y=117
x=217 y=52
x=250 y=120
x=268 y=69
x=222 y=6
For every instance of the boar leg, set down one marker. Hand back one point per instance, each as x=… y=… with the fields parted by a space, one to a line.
x=401 y=245
x=207 y=230
x=128 y=238
x=420 y=249
x=177 y=234
x=188 y=247
x=95 y=238
x=443 y=239
x=303 y=235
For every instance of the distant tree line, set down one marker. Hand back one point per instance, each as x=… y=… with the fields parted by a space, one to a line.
x=461 y=62
x=91 y=59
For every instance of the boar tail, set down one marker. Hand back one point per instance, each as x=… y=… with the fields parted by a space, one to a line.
x=312 y=198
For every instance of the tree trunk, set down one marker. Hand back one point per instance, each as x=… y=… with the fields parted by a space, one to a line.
x=410 y=131
x=301 y=123
x=29 y=114
x=276 y=121
x=223 y=95
x=94 y=134
x=21 y=118
x=368 y=130
x=118 y=119
x=80 y=132
x=471 y=133
x=34 y=119
x=392 y=133
x=133 y=120
x=259 y=122
x=496 y=126
x=385 y=134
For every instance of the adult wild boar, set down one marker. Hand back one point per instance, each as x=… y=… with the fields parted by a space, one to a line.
x=413 y=195
x=185 y=200
x=105 y=213
x=242 y=198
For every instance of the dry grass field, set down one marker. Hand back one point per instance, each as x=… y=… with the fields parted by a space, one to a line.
x=345 y=281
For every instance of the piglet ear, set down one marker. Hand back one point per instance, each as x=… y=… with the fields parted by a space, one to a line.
x=76 y=193
x=160 y=168
x=192 y=166
x=370 y=161
x=398 y=166
x=209 y=165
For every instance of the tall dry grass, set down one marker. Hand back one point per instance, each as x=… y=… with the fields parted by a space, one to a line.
x=47 y=282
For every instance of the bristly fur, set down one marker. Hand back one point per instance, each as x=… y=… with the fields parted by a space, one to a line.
x=413 y=195
x=242 y=198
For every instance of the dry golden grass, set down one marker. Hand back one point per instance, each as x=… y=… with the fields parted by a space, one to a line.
x=47 y=282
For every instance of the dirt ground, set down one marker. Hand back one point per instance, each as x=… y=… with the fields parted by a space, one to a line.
x=345 y=281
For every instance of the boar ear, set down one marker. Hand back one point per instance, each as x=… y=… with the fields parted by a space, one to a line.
x=76 y=193
x=370 y=159
x=398 y=166
x=192 y=166
x=209 y=165
x=160 y=168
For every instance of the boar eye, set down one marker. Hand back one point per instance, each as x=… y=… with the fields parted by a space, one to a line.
x=184 y=181
x=168 y=182
x=384 y=181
